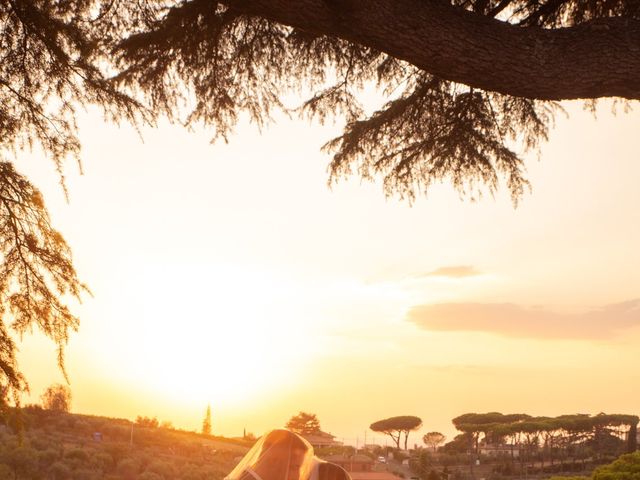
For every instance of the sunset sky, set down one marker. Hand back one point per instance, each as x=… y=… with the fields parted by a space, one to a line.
x=231 y=275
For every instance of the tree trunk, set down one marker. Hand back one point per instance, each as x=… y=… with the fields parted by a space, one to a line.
x=632 y=440
x=596 y=59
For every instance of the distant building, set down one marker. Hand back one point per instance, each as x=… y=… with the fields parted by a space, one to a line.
x=321 y=439
x=499 y=450
x=351 y=463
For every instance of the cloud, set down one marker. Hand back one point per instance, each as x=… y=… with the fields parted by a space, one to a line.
x=453 y=369
x=457 y=271
x=513 y=320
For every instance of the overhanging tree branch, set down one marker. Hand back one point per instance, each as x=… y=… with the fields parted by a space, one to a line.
x=595 y=59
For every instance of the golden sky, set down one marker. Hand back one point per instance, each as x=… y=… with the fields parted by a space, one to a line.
x=231 y=274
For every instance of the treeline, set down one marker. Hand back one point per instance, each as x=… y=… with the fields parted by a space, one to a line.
x=545 y=444
x=39 y=444
x=550 y=432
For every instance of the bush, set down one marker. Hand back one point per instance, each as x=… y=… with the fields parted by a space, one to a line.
x=147 y=422
x=117 y=451
x=83 y=426
x=433 y=475
x=60 y=471
x=38 y=443
x=116 y=432
x=22 y=460
x=77 y=454
x=47 y=457
x=86 y=474
x=399 y=455
x=164 y=469
x=150 y=476
x=127 y=468
x=627 y=467
x=103 y=461
x=191 y=472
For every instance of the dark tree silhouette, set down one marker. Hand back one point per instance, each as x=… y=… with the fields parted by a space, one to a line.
x=601 y=433
x=467 y=86
x=57 y=397
x=35 y=272
x=304 y=423
x=466 y=93
x=396 y=426
x=433 y=439
x=632 y=438
x=149 y=422
x=206 y=423
x=47 y=72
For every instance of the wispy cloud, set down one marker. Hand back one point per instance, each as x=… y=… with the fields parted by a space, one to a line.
x=453 y=369
x=457 y=271
x=514 y=320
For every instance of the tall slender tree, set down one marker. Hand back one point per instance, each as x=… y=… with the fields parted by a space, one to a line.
x=206 y=423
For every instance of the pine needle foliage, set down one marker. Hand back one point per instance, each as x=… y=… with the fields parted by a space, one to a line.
x=304 y=424
x=48 y=69
x=217 y=62
x=36 y=275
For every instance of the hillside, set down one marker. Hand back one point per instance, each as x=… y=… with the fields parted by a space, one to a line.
x=43 y=444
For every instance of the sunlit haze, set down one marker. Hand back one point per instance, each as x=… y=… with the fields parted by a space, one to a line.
x=233 y=275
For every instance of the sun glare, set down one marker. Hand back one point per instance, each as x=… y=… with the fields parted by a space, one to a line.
x=217 y=333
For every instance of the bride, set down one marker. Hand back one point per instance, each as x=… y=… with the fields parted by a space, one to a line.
x=284 y=455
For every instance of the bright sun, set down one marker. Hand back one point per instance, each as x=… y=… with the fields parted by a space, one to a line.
x=216 y=333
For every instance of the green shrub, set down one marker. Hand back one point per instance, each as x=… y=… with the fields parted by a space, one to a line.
x=47 y=457
x=627 y=467
x=164 y=469
x=22 y=460
x=60 y=471
x=127 y=468
x=150 y=476
x=86 y=474
x=103 y=461
x=77 y=454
